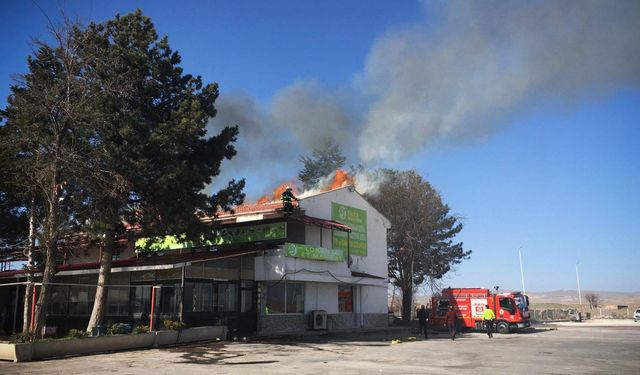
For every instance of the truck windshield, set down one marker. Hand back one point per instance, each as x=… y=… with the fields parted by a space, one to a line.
x=521 y=302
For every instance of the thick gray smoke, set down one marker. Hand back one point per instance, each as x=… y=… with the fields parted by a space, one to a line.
x=458 y=76
x=461 y=79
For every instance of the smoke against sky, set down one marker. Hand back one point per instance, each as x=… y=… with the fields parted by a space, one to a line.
x=458 y=76
x=486 y=61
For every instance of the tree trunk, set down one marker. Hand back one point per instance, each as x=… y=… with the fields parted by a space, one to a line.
x=45 y=288
x=26 y=318
x=51 y=247
x=100 y=302
x=407 y=294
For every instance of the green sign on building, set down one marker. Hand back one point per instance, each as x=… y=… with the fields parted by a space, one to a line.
x=297 y=250
x=357 y=220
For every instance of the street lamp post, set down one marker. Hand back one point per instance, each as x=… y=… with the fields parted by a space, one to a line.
x=524 y=293
x=579 y=293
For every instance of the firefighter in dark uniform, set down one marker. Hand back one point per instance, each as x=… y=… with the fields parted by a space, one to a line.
x=422 y=320
x=287 y=198
x=451 y=320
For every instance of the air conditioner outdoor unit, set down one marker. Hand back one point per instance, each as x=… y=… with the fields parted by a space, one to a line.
x=318 y=319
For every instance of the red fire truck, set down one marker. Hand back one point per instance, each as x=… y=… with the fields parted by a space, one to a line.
x=511 y=309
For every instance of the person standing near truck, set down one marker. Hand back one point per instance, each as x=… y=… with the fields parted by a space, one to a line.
x=488 y=317
x=422 y=320
x=451 y=320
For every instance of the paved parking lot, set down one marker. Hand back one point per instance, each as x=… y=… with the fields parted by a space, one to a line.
x=566 y=349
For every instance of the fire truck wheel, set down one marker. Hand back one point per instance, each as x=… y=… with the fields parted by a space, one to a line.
x=503 y=327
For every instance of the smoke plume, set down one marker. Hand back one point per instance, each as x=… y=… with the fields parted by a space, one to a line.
x=462 y=79
x=458 y=76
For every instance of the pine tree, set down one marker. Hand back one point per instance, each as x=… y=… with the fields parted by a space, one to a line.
x=323 y=161
x=152 y=128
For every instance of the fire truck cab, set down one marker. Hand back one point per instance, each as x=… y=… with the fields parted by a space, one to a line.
x=511 y=308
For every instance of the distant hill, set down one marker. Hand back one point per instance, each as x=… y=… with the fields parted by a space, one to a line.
x=631 y=299
x=570 y=297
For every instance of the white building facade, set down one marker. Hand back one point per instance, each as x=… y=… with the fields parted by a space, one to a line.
x=324 y=278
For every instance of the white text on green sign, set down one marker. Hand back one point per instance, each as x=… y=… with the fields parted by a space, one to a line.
x=296 y=250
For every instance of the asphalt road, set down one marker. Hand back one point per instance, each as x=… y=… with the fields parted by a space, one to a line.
x=565 y=349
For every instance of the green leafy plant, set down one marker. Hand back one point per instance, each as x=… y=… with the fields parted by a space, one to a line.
x=115 y=329
x=20 y=337
x=76 y=334
x=141 y=329
x=174 y=325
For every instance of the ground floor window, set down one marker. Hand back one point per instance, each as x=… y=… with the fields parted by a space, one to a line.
x=81 y=299
x=140 y=301
x=246 y=296
x=285 y=297
x=345 y=298
x=59 y=300
x=170 y=296
x=118 y=301
x=210 y=297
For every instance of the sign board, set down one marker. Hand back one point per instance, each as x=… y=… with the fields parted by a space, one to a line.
x=356 y=241
x=477 y=307
x=223 y=236
x=296 y=250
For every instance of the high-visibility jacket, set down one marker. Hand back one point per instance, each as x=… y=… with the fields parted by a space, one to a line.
x=488 y=314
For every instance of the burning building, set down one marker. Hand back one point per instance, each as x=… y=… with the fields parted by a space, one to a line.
x=324 y=267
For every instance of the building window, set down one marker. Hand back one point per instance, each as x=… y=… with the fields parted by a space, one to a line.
x=275 y=298
x=143 y=276
x=170 y=296
x=285 y=298
x=227 y=297
x=345 y=298
x=246 y=296
x=295 y=298
x=141 y=301
x=81 y=299
x=118 y=301
x=58 y=303
x=170 y=274
x=198 y=297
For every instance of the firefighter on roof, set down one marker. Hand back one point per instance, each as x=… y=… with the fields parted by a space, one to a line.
x=287 y=197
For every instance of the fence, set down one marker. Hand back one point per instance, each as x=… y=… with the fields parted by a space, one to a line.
x=551 y=314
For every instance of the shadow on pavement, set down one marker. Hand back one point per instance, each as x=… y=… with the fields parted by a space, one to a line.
x=219 y=353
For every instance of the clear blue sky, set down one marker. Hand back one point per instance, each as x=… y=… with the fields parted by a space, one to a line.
x=525 y=117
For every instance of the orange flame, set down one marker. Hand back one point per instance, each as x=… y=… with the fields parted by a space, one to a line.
x=341 y=179
x=277 y=192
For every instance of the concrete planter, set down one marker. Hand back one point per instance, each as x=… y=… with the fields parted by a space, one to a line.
x=15 y=352
x=165 y=338
x=202 y=334
x=61 y=348
x=23 y=352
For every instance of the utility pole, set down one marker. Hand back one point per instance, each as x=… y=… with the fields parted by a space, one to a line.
x=578 y=277
x=521 y=271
